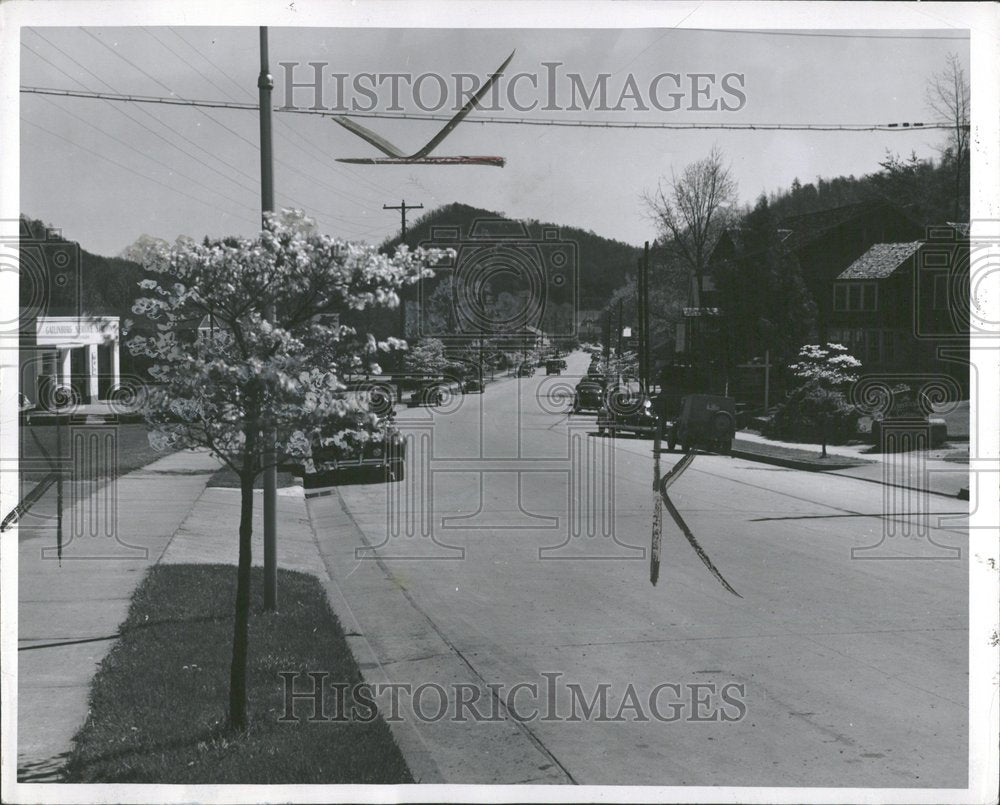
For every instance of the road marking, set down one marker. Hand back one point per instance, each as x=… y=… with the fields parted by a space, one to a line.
x=664 y=485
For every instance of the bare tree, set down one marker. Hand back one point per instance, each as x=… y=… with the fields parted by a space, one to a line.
x=691 y=210
x=948 y=96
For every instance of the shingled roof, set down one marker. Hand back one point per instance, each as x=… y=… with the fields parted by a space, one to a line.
x=880 y=261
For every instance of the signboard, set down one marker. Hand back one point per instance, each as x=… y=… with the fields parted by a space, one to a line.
x=69 y=330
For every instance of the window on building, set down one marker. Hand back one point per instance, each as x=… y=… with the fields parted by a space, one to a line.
x=940 y=291
x=873 y=346
x=869 y=296
x=854 y=296
x=888 y=346
x=840 y=296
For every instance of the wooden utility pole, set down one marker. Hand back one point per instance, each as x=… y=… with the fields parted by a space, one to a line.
x=767 y=380
x=265 y=84
x=607 y=340
x=621 y=326
x=403 y=207
x=645 y=318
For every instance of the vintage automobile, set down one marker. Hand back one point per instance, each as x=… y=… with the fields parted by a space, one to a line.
x=378 y=459
x=627 y=413
x=526 y=369
x=472 y=385
x=554 y=366
x=704 y=419
x=588 y=395
x=426 y=393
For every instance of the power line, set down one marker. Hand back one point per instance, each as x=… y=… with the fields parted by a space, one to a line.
x=311 y=178
x=360 y=177
x=522 y=121
x=824 y=34
x=254 y=145
x=151 y=157
x=252 y=186
x=147 y=128
x=157 y=134
x=403 y=207
x=280 y=122
x=119 y=164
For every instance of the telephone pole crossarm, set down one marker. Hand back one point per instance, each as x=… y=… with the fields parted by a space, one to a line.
x=403 y=207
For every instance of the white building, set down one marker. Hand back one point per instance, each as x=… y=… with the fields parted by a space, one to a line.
x=81 y=353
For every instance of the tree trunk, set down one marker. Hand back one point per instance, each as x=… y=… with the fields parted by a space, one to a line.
x=238 y=668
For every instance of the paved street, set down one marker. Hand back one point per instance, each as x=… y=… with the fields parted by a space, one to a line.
x=854 y=669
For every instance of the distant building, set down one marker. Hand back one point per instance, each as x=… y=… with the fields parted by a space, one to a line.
x=589 y=325
x=822 y=242
x=81 y=353
x=904 y=307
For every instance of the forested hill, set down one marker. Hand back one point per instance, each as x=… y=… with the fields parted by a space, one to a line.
x=603 y=263
x=58 y=278
x=929 y=190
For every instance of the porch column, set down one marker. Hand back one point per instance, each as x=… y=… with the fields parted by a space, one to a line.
x=92 y=372
x=115 y=371
x=66 y=367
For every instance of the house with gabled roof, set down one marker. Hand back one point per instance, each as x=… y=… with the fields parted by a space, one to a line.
x=903 y=307
x=823 y=242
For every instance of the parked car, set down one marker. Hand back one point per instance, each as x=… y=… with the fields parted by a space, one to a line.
x=705 y=419
x=380 y=459
x=554 y=366
x=627 y=414
x=426 y=394
x=525 y=370
x=472 y=385
x=589 y=395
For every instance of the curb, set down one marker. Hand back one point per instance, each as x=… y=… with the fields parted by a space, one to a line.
x=794 y=464
x=805 y=466
x=412 y=646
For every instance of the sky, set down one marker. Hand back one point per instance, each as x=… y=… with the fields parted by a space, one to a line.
x=105 y=173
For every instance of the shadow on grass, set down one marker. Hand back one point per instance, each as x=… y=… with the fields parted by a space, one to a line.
x=158 y=701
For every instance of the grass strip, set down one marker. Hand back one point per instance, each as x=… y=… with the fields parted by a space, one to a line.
x=158 y=701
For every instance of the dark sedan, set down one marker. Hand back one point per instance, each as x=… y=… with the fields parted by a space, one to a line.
x=589 y=395
x=426 y=394
x=627 y=414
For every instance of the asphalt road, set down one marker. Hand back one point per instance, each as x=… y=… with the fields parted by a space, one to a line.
x=842 y=671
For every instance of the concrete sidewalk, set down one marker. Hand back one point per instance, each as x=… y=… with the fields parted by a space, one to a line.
x=70 y=607
x=434 y=752
x=922 y=471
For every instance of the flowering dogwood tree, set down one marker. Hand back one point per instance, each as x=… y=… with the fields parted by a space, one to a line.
x=225 y=376
x=824 y=373
x=830 y=366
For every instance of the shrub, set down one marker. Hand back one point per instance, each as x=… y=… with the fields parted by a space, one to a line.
x=818 y=407
x=801 y=417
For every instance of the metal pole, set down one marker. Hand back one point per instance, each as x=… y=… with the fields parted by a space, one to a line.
x=767 y=379
x=59 y=487
x=264 y=84
x=621 y=326
x=607 y=342
x=645 y=317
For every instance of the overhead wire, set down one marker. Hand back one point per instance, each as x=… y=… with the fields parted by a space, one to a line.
x=158 y=121
x=146 y=155
x=314 y=179
x=577 y=123
x=119 y=164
